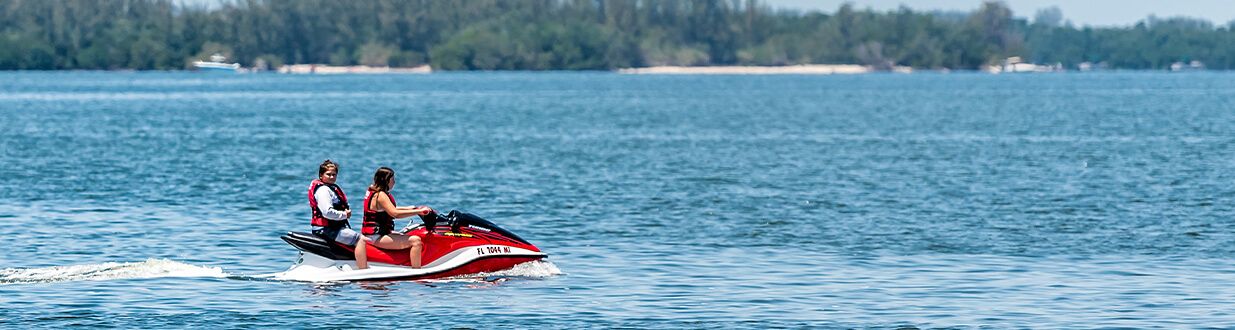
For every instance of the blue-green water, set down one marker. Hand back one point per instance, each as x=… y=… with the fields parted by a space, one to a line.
x=155 y=200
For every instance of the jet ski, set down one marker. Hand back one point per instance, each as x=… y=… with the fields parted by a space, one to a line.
x=457 y=244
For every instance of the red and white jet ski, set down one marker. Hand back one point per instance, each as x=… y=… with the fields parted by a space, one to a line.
x=461 y=243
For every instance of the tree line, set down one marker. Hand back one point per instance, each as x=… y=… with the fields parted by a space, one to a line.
x=575 y=35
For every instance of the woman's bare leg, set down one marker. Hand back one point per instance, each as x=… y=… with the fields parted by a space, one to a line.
x=417 y=248
x=362 y=256
x=399 y=242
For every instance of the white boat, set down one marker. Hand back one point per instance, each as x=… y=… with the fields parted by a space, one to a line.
x=216 y=64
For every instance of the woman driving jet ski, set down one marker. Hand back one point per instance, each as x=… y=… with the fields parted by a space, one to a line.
x=379 y=214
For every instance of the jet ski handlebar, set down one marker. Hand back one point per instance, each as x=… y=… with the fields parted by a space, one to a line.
x=456 y=220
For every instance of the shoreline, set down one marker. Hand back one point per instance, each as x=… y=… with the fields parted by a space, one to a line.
x=655 y=70
x=352 y=69
x=821 y=69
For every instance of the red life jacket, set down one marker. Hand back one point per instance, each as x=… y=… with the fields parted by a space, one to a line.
x=319 y=220
x=377 y=222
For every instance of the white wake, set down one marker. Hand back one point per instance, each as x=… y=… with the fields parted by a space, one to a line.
x=531 y=269
x=151 y=268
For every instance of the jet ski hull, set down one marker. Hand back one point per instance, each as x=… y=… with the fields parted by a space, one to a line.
x=467 y=245
x=314 y=268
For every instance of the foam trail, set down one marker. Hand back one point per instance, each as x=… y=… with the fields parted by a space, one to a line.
x=530 y=269
x=151 y=268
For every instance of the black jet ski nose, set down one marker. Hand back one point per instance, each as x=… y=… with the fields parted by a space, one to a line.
x=430 y=220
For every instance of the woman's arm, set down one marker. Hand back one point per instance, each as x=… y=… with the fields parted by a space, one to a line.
x=399 y=212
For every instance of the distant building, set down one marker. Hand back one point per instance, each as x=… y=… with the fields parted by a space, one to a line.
x=1016 y=65
x=1194 y=65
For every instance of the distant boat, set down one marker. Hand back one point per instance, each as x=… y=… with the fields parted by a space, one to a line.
x=216 y=64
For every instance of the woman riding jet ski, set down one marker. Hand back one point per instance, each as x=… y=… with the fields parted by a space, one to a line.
x=459 y=243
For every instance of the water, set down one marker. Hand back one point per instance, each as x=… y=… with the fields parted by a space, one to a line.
x=155 y=200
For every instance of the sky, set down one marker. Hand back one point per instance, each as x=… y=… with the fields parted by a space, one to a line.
x=1080 y=12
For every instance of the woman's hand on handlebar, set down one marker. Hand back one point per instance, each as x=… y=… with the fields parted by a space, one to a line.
x=422 y=210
